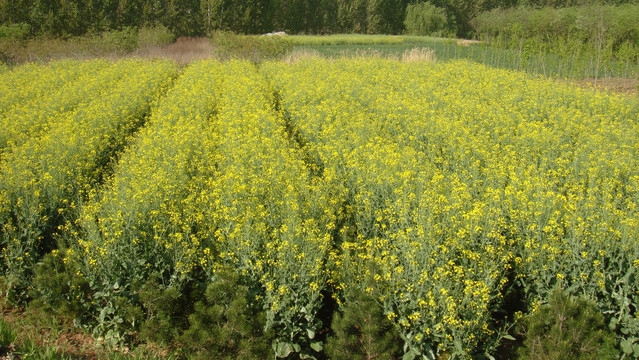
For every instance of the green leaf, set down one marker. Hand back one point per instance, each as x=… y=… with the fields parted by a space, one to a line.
x=282 y=349
x=626 y=346
x=409 y=356
x=613 y=324
x=311 y=333
x=317 y=346
x=459 y=350
x=508 y=337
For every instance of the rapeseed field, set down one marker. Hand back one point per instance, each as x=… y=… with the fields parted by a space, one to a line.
x=456 y=196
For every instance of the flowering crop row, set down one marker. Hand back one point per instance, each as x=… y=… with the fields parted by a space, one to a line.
x=272 y=218
x=26 y=83
x=466 y=182
x=46 y=177
x=29 y=119
x=137 y=226
x=213 y=181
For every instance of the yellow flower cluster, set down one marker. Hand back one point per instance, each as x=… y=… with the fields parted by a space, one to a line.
x=457 y=175
x=45 y=177
x=61 y=89
x=27 y=82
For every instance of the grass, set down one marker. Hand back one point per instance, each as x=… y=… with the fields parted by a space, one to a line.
x=112 y=44
x=153 y=43
x=549 y=65
x=44 y=338
x=13 y=347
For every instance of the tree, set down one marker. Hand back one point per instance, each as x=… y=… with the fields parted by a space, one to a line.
x=424 y=19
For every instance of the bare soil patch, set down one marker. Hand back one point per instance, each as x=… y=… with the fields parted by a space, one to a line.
x=61 y=337
x=618 y=85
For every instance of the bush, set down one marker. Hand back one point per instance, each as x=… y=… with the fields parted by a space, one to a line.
x=567 y=328
x=227 y=324
x=119 y=41
x=249 y=47
x=56 y=286
x=362 y=331
x=15 y=31
x=424 y=19
x=154 y=36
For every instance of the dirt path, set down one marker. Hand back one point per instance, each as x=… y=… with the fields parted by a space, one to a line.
x=618 y=85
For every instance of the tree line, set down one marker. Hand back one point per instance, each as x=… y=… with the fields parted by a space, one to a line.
x=200 y=17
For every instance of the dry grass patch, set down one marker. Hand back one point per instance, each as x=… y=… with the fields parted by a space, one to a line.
x=464 y=42
x=617 y=85
x=184 y=50
x=301 y=54
x=419 y=55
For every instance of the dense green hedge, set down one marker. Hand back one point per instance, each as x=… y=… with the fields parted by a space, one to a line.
x=607 y=31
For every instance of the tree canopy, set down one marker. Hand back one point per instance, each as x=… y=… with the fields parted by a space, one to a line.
x=199 y=17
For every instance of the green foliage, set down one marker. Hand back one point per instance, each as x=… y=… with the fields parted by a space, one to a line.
x=164 y=309
x=600 y=29
x=154 y=36
x=119 y=41
x=253 y=48
x=424 y=19
x=15 y=31
x=226 y=324
x=567 y=328
x=56 y=286
x=362 y=331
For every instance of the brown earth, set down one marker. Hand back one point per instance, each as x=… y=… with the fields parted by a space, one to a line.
x=617 y=85
x=47 y=332
x=61 y=337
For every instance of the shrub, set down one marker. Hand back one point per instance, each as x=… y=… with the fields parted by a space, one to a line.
x=567 y=328
x=227 y=324
x=249 y=47
x=424 y=19
x=362 y=331
x=56 y=286
x=15 y=31
x=119 y=41
x=154 y=36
